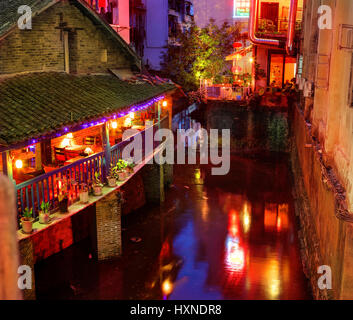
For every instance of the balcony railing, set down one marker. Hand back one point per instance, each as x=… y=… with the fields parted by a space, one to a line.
x=46 y=187
x=226 y=92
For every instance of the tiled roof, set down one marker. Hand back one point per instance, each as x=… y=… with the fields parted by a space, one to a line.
x=42 y=103
x=9 y=14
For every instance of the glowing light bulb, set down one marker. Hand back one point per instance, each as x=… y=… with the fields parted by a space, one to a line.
x=18 y=164
x=70 y=135
x=251 y=60
x=127 y=122
x=132 y=115
x=167 y=287
x=114 y=124
x=165 y=103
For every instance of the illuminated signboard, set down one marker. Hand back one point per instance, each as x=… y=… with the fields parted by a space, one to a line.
x=241 y=9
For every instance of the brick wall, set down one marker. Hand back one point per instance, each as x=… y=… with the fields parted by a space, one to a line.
x=41 y=49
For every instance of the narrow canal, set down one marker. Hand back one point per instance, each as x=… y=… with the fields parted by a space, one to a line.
x=225 y=237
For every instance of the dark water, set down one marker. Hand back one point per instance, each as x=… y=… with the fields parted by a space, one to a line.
x=231 y=237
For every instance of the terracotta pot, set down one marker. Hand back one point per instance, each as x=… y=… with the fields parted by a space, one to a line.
x=129 y=170
x=27 y=225
x=122 y=175
x=111 y=182
x=44 y=218
x=97 y=190
x=84 y=196
x=64 y=205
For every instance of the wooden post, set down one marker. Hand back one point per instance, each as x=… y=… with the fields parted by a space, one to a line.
x=66 y=52
x=7 y=164
x=107 y=149
x=9 y=257
x=161 y=171
x=38 y=156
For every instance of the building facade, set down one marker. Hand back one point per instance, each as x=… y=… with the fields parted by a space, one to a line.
x=164 y=18
x=114 y=12
x=322 y=130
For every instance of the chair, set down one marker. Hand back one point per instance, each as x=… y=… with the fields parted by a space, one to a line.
x=60 y=156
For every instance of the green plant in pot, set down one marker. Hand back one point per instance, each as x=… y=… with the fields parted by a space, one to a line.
x=121 y=169
x=130 y=167
x=63 y=202
x=97 y=185
x=112 y=177
x=44 y=212
x=27 y=220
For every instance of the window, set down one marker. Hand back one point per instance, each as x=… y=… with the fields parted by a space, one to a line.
x=173 y=25
x=241 y=9
x=189 y=9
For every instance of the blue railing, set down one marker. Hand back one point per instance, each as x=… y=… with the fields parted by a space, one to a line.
x=31 y=193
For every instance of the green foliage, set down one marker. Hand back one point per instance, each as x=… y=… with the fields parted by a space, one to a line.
x=200 y=55
x=44 y=206
x=97 y=180
x=278 y=133
x=27 y=213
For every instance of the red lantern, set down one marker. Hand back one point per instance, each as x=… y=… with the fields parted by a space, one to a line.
x=237 y=45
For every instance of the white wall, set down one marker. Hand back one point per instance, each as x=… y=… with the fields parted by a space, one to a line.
x=156 y=31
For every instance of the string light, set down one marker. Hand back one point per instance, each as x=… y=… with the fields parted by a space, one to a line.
x=104 y=120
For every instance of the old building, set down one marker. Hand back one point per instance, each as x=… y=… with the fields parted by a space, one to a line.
x=114 y=12
x=69 y=88
x=322 y=130
x=163 y=20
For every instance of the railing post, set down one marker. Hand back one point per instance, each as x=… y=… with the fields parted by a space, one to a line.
x=107 y=149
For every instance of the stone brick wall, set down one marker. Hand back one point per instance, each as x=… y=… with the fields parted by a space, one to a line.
x=151 y=175
x=42 y=49
x=108 y=223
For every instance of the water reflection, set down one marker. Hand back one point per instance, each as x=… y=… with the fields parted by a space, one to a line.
x=231 y=237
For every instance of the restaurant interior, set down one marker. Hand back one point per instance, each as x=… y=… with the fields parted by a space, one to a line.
x=50 y=154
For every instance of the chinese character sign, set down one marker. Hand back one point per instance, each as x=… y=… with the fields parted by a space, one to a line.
x=241 y=9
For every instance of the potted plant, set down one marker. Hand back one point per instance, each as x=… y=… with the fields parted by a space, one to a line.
x=84 y=193
x=44 y=213
x=63 y=202
x=27 y=220
x=130 y=167
x=121 y=169
x=112 y=177
x=97 y=185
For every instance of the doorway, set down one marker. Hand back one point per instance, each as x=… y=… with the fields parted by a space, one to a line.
x=282 y=69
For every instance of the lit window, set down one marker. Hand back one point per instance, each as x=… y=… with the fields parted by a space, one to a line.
x=241 y=9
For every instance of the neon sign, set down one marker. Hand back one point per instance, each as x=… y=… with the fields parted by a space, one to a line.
x=241 y=9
